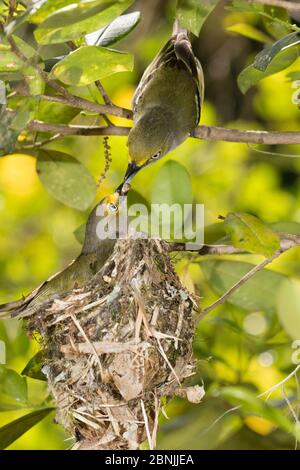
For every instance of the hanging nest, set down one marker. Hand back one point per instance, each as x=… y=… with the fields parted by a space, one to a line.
x=115 y=347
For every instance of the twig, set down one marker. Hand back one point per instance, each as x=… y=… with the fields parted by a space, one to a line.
x=289 y=6
x=250 y=137
x=81 y=103
x=205 y=249
x=202 y=132
x=41 y=142
x=293 y=413
x=287 y=241
x=67 y=97
x=240 y=282
x=93 y=350
x=146 y=422
x=69 y=129
x=12 y=8
x=266 y=392
x=156 y=416
x=103 y=93
x=279 y=384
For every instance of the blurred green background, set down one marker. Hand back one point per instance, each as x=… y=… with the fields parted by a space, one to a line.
x=233 y=346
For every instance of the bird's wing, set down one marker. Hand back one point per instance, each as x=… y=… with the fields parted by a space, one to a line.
x=177 y=52
x=160 y=59
x=13 y=309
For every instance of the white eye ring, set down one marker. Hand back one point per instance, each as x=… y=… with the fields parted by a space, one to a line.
x=113 y=207
x=155 y=156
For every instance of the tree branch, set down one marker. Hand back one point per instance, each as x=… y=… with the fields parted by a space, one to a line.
x=287 y=241
x=202 y=132
x=68 y=98
x=103 y=93
x=86 y=105
x=206 y=249
x=249 y=137
x=69 y=129
x=289 y=6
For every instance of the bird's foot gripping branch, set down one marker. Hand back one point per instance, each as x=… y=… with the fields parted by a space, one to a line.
x=116 y=346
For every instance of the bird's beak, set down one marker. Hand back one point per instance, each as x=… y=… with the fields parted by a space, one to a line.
x=131 y=171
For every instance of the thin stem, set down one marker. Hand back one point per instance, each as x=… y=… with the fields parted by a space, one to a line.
x=86 y=105
x=202 y=132
x=250 y=137
x=103 y=93
x=240 y=282
x=288 y=240
x=64 y=129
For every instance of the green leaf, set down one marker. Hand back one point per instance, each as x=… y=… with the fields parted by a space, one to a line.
x=289 y=307
x=8 y=403
x=250 y=404
x=256 y=294
x=265 y=57
x=33 y=368
x=244 y=7
x=193 y=13
x=9 y=62
x=26 y=49
x=276 y=20
x=75 y=69
x=250 y=234
x=115 y=31
x=25 y=109
x=12 y=384
x=55 y=112
x=66 y=179
x=34 y=81
x=37 y=15
x=288 y=227
x=172 y=185
x=12 y=431
x=251 y=76
x=78 y=20
x=293 y=76
x=248 y=31
x=18 y=20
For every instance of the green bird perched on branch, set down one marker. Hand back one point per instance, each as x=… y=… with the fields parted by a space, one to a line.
x=95 y=251
x=167 y=103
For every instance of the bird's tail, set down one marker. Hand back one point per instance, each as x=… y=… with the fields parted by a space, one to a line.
x=7 y=310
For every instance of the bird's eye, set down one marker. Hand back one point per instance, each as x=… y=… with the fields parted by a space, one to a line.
x=155 y=156
x=113 y=207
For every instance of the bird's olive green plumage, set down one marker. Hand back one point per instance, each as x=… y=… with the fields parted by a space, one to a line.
x=94 y=253
x=167 y=103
